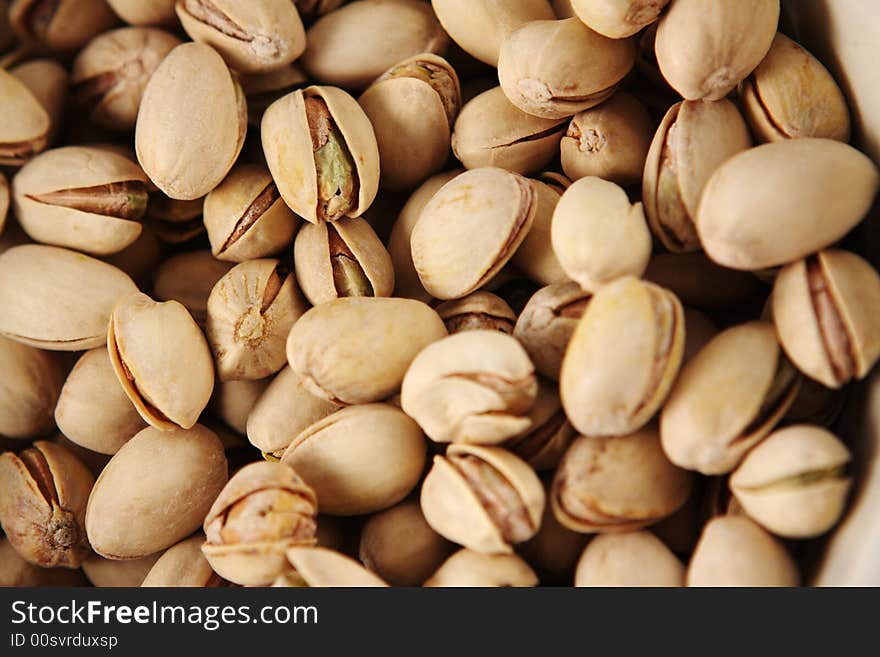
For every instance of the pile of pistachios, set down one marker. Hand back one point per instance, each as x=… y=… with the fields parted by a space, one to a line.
x=449 y=293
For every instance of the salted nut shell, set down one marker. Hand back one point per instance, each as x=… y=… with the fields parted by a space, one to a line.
x=622 y=358
x=24 y=123
x=32 y=380
x=792 y=95
x=483 y=498
x=628 y=559
x=535 y=257
x=322 y=152
x=252 y=37
x=555 y=69
x=545 y=441
x=136 y=12
x=43 y=495
x=183 y=565
x=827 y=314
x=467 y=568
x=694 y=138
x=318 y=567
x=478 y=310
x=470 y=229
x=62 y=25
x=264 y=510
x=618 y=19
x=82 y=198
x=161 y=359
x=342 y=259
x=725 y=42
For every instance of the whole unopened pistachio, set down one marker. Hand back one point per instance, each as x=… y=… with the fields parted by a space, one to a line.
x=781 y=201
x=491 y=131
x=361 y=459
x=263 y=89
x=161 y=359
x=322 y=152
x=250 y=313
x=183 y=565
x=138 y=12
x=318 y=567
x=791 y=95
x=478 y=310
x=188 y=278
x=185 y=153
x=233 y=401
x=617 y=484
x=483 y=498
x=109 y=75
x=734 y=551
x=471 y=387
x=16 y=572
x=535 y=256
x=107 y=573
x=629 y=559
x=61 y=25
x=57 y=299
x=25 y=124
x=545 y=441
x=342 y=259
x=693 y=140
x=475 y=569
x=827 y=314
x=701 y=283
x=618 y=19
x=43 y=495
x=29 y=389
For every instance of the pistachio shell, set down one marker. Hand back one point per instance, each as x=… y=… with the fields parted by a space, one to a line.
x=478 y=310
x=106 y=573
x=618 y=19
x=188 y=278
x=29 y=389
x=25 y=122
x=66 y=25
x=16 y=572
x=263 y=89
x=181 y=565
x=535 y=256
x=630 y=559
x=472 y=569
x=234 y=400
x=321 y=568
x=550 y=433
x=4 y=201
x=48 y=81
x=137 y=12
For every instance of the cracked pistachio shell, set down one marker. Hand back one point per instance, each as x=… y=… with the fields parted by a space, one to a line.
x=555 y=69
x=612 y=484
x=734 y=551
x=791 y=95
x=793 y=482
x=707 y=47
x=701 y=283
x=618 y=19
x=781 y=201
x=29 y=389
x=56 y=299
x=483 y=498
x=252 y=36
x=48 y=82
x=693 y=140
x=360 y=459
x=546 y=324
x=81 y=198
x=167 y=480
x=598 y=235
x=246 y=217
x=480 y=26
x=188 y=278
x=630 y=559
x=264 y=509
x=43 y=495
x=342 y=259
x=471 y=387
x=352 y=46
x=192 y=122
x=470 y=229
x=138 y=12
x=473 y=569
x=491 y=131
x=535 y=256
x=250 y=313
x=182 y=565
x=4 y=201
x=623 y=358
x=478 y=310
x=289 y=149
x=318 y=567
x=60 y=26
x=16 y=572
x=727 y=399
x=93 y=410
x=827 y=314
x=161 y=359
x=108 y=573
x=545 y=441
x=25 y=124
x=110 y=74
x=356 y=350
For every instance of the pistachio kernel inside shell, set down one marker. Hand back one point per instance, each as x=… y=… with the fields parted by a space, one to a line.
x=349 y=277
x=258 y=207
x=437 y=77
x=335 y=169
x=265 y=515
x=123 y=200
x=835 y=336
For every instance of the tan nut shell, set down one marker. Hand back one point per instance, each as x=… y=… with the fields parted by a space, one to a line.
x=287 y=144
x=618 y=19
x=72 y=24
x=188 y=278
x=323 y=568
x=48 y=81
x=105 y=573
x=4 y=201
x=543 y=444
x=138 y=12
x=29 y=389
x=23 y=119
x=478 y=310
x=469 y=568
x=535 y=256
x=629 y=559
x=181 y=565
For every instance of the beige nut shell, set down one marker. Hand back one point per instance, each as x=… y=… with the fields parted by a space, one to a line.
x=468 y=568
x=181 y=565
x=323 y=568
x=629 y=559
x=618 y=19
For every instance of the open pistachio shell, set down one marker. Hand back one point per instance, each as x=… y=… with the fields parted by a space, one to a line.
x=182 y=565
x=62 y=25
x=479 y=310
x=618 y=19
x=629 y=559
x=470 y=568
x=24 y=122
x=32 y=381
x=318 y=567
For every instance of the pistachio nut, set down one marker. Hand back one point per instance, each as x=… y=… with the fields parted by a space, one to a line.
x=263 y=89
x=110 y=74
x=4 y=201
x=139 y=260
x=92 y=460
x=618 y=19
x=617 y=483
x=699 y=330
x=726 y=42
x=29 y=389
x=312 y=9
x=469 y=568
x=43 y=495
x=188 y=278
x=56 y=299
x=188 y=157
x=352 y=46
x=554 y=551
x=61 y=25
x=693 y=140
x=546 y=440
x=342 y=259
x=16 y=572
x=546 y=324
x=93 y=410
x=250 y=313
x=356 y=350
x=109 y=573
x=471 y=387
x=138 y=12
x=623 y=357
x=555 y=69
x=629 y=559
x=360 y=459
x=734 y=551
x=183 y=565
x=322 y=152
x=161 y=359
x=174 y=221
x=234 y=400
x=25 y=124
x=535 y=256
x=478 y=310
x=318 y=567
x=791 y=95
x=491 y=131
x=827 y=314
x=49 y=82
